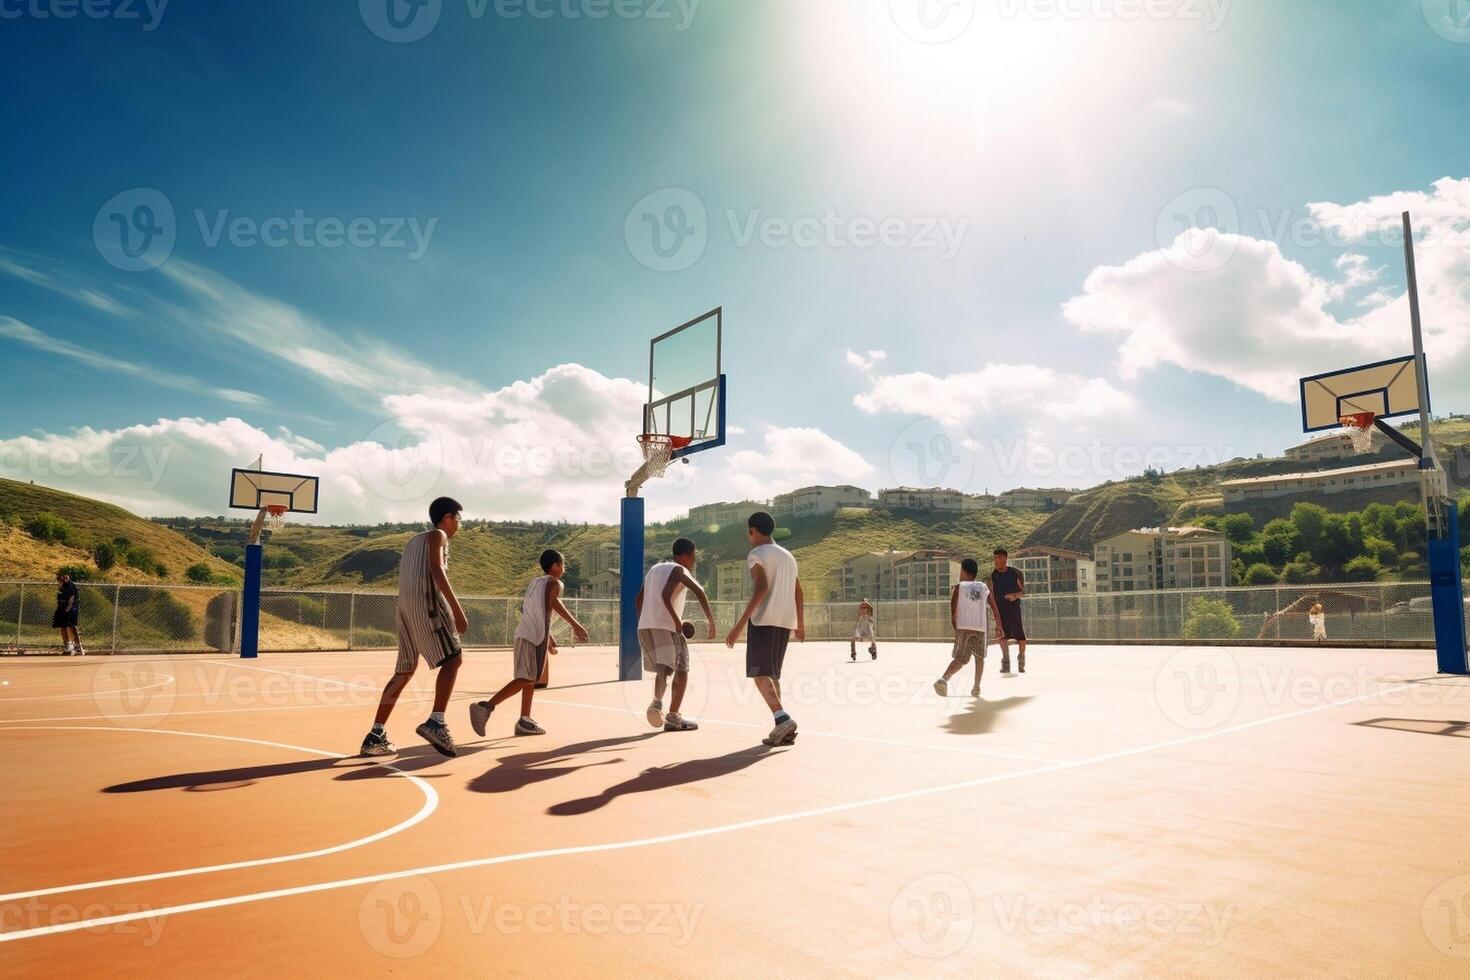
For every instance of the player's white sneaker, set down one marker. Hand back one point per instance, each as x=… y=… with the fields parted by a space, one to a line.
x=941 y=687
x=975 y=691
x=779 y=734
x=656 y=713
x=480 y=715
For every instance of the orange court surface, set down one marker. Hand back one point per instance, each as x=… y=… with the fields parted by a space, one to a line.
x=1115 y=811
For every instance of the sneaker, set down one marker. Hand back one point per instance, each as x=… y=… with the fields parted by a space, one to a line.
x=874 y=651
x=779 y=734
x=941 y=687
x=479 y=715
x=437 y=735
x=656 y=714
x=377 y=743
x=525 y=726
x=1005 y=666
x=66 y=650
x=975 y=691
x=1021 y=662
x=678 y=723
x=80 y=651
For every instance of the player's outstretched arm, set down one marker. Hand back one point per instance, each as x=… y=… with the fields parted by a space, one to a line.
x=553 y=601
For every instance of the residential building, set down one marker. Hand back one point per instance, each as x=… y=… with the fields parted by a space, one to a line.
x=816 y=501
x=725 y=515
x=932 y=498
x=1025 y=499
x=1056 y=570
x=598 y=558
x=1334 y=445
x=925 y=575
x=867 y=576
x=1153 y=558
x=606 y=584
x=732 y=581
x=1369 y=477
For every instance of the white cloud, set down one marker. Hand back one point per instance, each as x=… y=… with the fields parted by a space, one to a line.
x=866 y=362
x=1009 y=388
x=58 y=283
x=791 y=458
x=1260 y=319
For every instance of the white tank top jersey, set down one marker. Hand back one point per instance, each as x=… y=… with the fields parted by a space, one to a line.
x=653 y=615
x=533 y=612
x=970 y=609
x=779 y=606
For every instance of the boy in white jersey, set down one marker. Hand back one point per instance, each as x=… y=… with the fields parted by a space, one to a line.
x=968 y=602
x=430 y=622
x=775 y=612
x=533 y=636
x=661 y=631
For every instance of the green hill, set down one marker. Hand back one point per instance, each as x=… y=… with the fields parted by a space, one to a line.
x=32 y=552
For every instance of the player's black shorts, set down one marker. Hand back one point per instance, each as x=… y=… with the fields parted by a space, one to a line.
x=64 y=617
x=1010 y=621
x=765 y=650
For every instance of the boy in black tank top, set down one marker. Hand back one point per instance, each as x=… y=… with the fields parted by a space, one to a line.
x=1008 y=585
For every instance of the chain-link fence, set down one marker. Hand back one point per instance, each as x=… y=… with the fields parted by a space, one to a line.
x=145 y=618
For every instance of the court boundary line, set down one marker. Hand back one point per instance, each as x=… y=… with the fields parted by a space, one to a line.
x=430 y=805
x=676 y=837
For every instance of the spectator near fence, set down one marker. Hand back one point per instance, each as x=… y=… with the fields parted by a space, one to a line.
x=67 y=610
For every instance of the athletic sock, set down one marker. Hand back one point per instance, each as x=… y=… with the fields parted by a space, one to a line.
x=525 y=718
x=379 y=729
x=782 y=717
x=437 y=717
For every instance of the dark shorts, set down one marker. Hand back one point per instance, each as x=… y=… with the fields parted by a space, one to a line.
x=765 y=650
x=1010 y=621
x=62 y=618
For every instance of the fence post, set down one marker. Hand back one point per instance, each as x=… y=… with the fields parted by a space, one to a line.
x=116 y=601
x=20 y=611
x=351 y=616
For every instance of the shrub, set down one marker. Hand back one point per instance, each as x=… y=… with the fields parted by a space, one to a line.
x=365 y=637
x=161 y=570
x=139 y=558
x=49 y=528
x=105 y=555
x=1261 y=574
x=78 y=573
x=1363 y=568
x=1238 y=527
x=1211 y=619
x=199 y=573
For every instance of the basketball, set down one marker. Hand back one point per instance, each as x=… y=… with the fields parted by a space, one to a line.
x=689 y=631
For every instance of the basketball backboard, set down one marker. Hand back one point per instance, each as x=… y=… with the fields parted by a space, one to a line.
x=1385 y=388
x=686 y=384
x=255 y=489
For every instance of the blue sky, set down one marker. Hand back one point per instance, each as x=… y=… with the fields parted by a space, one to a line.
x=1034 y=311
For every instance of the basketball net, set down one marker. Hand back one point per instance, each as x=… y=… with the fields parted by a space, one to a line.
x=275 y=517
x=1359 y=426
x=658 y=450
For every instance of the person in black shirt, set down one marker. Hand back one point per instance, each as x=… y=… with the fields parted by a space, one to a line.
x=1008 y=585
x=65 y=618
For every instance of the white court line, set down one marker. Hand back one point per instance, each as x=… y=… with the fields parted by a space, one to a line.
x=431 y=803
x=167 y=680
x=704 y=720
x=324 y=886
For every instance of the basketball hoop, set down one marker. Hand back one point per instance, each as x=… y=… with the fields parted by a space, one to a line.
x=1359 y=426
x=275 y=517
x=658 y=451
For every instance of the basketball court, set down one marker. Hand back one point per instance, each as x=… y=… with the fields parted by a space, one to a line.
x=1115 y=812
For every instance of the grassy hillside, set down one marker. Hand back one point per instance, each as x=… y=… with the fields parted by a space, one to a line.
x=22 y=555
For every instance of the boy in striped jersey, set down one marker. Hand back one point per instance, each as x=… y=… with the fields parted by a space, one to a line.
x=430 y=622
x=533 y=637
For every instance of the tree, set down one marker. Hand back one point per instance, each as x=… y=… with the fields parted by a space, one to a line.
x=1384 y=551
x=1238 y=527
x=1363 y=568
x=1340 y=540
x=1301 y=570
x=1211 y=619
x=105 y=555
x=1308 y=519
x=198 y=572
x=1280 y=539
x=1261 y=574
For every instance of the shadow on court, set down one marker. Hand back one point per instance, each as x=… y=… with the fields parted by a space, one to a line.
x=665 y=777
x=513 y=772
x=348 y=769
x=980 y=717
x=1419 y=726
